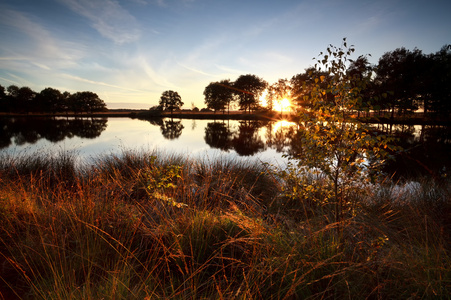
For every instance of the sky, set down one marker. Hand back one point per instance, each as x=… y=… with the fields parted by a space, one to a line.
x=130 y=51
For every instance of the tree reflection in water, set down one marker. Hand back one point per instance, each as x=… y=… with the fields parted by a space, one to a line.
x=426 y=147
x=218 y=135
x=247 y=141
x=171 y=129
x=426 y=150
x=30 y=130
x=280 y=135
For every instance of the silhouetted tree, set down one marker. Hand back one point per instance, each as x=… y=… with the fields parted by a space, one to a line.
x=248 y=89
x=397 y=73
x=170 y=100
x=219 y=95
x=11 y=98
x=50 y=100
x=439 y=83
x=303 y=83
x=13 y=90
x=2 y=92
x=85 y=102
x=360 y=71
x=3 y=101
x=26 y=97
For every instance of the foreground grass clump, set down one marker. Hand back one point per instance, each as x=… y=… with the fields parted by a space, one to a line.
x=152 y=226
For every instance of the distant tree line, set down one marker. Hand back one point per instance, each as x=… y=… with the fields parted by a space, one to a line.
x=402 y=82
x=24 y=100
x=219 y=96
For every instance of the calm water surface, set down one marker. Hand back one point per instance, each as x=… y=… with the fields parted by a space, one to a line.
x=427 y=148
x=207 y=139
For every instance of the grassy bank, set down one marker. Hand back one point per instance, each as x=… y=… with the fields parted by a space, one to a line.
x=154 y=226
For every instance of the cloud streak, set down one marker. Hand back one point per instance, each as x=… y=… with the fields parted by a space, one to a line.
x=72 y=77
x=40 y=47
x=109 y=18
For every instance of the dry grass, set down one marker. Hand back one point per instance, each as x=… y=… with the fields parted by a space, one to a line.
x=154 y=226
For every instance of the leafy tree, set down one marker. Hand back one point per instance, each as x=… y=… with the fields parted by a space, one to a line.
x=3 y=99
x=361 y=70
x=397 y=73
x=85 y=102
x=94 y=103
x=302 y=85
x=24 y=99
x=50 y=100
x=10 y=99
x=170 y=100
x=75 y=103
x=438 y=94
x=219 y=95
x=65 y=103
x=341 y=148
x=248 y=89
x=13 y=91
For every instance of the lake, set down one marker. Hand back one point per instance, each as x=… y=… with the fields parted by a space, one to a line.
x=427 y=147
x=90 y=138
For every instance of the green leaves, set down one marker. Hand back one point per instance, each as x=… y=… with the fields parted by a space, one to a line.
x=340 y=147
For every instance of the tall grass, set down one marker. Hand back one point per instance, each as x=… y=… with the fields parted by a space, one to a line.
x=154 y=226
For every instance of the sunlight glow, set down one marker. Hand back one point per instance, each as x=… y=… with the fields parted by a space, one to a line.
x=281 y=125
x=262 y=99
x=282 y=105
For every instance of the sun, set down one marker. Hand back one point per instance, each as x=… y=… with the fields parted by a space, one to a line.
x=278 y=105
x=282 y=105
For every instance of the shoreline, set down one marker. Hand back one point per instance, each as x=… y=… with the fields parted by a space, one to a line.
x=415 y=119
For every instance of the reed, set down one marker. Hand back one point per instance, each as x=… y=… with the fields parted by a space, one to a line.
x=148 y=225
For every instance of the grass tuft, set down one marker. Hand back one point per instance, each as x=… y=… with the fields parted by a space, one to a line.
x=145 y=225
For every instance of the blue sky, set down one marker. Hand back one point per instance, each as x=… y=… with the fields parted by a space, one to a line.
x=130 y=51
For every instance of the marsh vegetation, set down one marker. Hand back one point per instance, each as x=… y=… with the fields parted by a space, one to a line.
x=151 y=225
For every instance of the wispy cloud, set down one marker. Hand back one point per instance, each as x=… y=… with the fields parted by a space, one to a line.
x=142 y=2
x=9 y=80
x=195 y=70
x=40 y=44
x=98 y=83
x=230 y=70
x=109 y=18
x=42 y=66
x=17 y=80
x=142 y=63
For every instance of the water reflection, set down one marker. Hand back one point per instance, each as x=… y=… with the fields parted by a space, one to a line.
x=171 y=129
x=21 y=131
x=281 y=136
x=247 y=141
x=218 y=135
x=426 y=148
